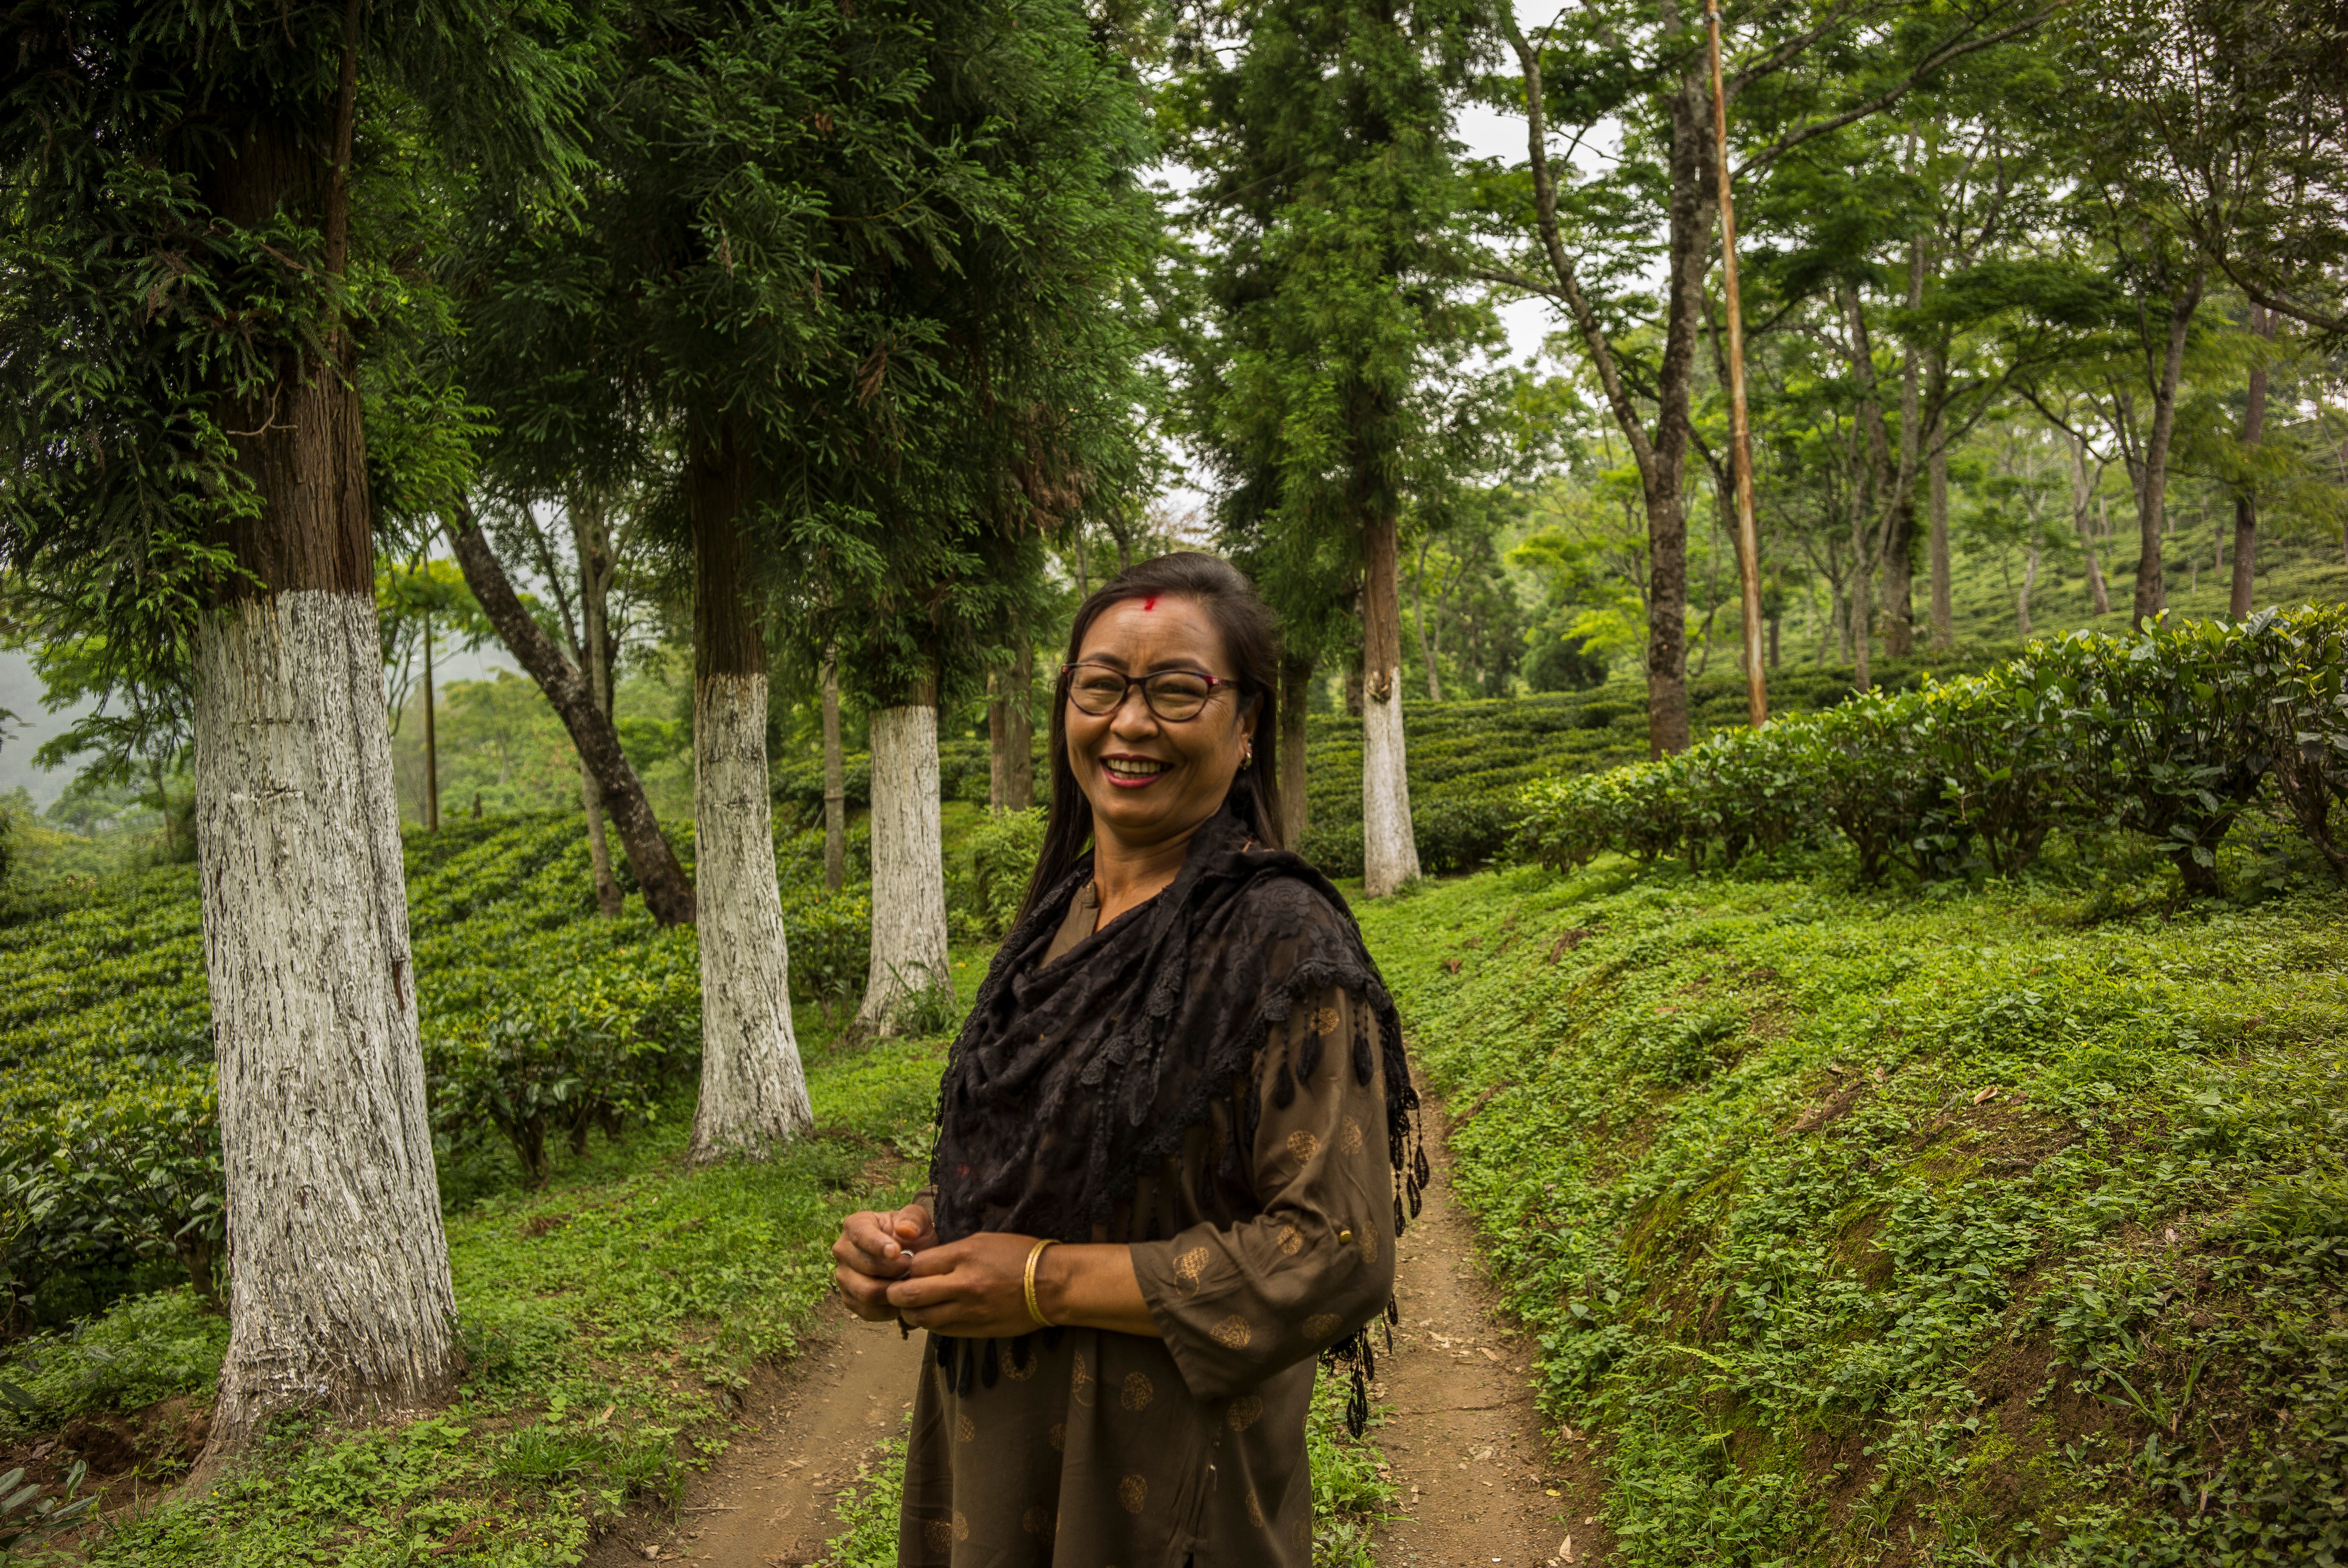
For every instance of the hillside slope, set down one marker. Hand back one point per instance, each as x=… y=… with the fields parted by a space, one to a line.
x=1876 y=1230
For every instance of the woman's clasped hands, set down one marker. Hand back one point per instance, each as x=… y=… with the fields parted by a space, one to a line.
x=892 y=1266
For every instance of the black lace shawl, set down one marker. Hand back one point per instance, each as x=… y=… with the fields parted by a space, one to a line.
x=1068 y=1085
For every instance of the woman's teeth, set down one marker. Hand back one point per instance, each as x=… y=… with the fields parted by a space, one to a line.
x=1132 y=767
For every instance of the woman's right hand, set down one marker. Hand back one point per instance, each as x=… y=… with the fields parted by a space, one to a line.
x=874 y=1251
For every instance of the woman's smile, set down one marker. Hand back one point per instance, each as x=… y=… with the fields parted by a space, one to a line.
x=1128 y=771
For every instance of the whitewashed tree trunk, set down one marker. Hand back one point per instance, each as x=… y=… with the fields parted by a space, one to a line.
x=1389 y=851
x=1389 y=854
x=753 y=1090
x=908 y=888
x=339 y=1296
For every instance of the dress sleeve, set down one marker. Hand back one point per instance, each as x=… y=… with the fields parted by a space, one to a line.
x=1237 y=1302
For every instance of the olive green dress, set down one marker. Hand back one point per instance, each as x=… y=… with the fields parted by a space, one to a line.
x=1113 y=1450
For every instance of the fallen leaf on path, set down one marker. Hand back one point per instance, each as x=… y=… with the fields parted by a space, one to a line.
x=1489 y=1354
x=1992 y=1093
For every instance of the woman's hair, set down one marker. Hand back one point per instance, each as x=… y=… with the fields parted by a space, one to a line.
x=1251 y=635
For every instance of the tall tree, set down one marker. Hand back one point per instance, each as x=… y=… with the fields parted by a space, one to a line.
x=1333 y=199
x=190 y=253
x=1794 y=76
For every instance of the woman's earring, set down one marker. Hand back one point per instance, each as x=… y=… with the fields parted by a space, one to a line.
x=1247 y=759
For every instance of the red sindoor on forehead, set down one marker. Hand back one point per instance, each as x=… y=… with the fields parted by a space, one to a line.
x=1149 y=603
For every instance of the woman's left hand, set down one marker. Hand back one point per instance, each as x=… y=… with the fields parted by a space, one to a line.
x=974 y=1289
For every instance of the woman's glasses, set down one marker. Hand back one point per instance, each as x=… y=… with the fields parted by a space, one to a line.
x=1173 y=695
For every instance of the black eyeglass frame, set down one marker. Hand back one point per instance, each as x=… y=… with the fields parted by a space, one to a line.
x=1067 y=690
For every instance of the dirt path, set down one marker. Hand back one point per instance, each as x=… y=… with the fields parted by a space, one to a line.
x=1481 y=1483
x=767 y=1502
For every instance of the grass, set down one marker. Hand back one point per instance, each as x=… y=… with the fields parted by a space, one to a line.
x=1992 y=1225
x=610 y=1321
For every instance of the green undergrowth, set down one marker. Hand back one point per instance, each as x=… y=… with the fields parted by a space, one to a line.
x=2005 y=1225
x=1351 y=1493
x=609 y=1322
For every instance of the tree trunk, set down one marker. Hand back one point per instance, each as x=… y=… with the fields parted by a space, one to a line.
x=998 y=742
x=1899 y=575
x=1020 y=793
x=1389 y=855
x=2082 y=492
x=1899 y=530
x=752 y=1093
x=1418 y=613
x=909 y=889
x=1661 y=461
x=1295 y=704
x=1936 y=491
x=339 y=1295
x=2246 y=504
x=2021 y=600
x=431 y=740
x=835 y=785
x=666 y=892
x=591 y=542
x=2152 y=491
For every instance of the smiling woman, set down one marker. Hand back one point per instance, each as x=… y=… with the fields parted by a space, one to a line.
x=1172 y=1145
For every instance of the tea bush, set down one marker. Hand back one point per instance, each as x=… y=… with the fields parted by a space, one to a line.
x=2169 y=736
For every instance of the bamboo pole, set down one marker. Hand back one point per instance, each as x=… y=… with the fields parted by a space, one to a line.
x=1740 y=438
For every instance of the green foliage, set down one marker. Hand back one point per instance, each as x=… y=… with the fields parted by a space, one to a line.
x=1470 y=761
x=2169 y=736
x=986 y=883
x=27 y=1515
x=1843 y=1217
x=147 y=1348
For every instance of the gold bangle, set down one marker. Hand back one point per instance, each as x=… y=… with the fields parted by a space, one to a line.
x=1034 y=1311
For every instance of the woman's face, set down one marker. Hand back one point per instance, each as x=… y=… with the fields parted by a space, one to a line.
x=1148 y=779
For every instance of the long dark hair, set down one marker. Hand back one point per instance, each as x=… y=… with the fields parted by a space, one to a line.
x=1251 y=634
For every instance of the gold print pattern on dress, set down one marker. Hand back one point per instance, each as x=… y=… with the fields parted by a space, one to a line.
x=1138 y=1392
x=1369 y=1243
x=1254 y=1510
x=1015 y=1372
x=962 y=1526
x=1234 y=1333
x=1304 y=1145
x=1246 y=1411
x=1080 y=1385
x=1350 y=1137
x=1059 y=1436
x=1190 y=1268
x=1037 y=1521
x=1304 y=1533
x=1325 y=1022
x=965 y=1430
x=1323 y=1326
x=1291 y=1240
x=1133 y=1492
x=939 y=1533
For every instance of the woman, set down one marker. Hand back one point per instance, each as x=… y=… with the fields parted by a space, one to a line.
x=1168 y=1170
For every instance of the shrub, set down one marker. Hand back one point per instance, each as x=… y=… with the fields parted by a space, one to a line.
x=566 y=1050
x=2170 y=735
x=1001 y=852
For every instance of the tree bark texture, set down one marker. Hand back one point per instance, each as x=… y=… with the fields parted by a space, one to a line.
x=339 y=1293
x=666 y=892
x=909 y=889
x=2243 y=593
x=1021 y=780
x=2152 y=491
x=431 y=739
x=1418 y=615
x=1389 y=855
x=1295 y=707
x=835 y=783
x=1936 y=492
x=2081 y=491
x=753 y=1090
x=591 y=541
